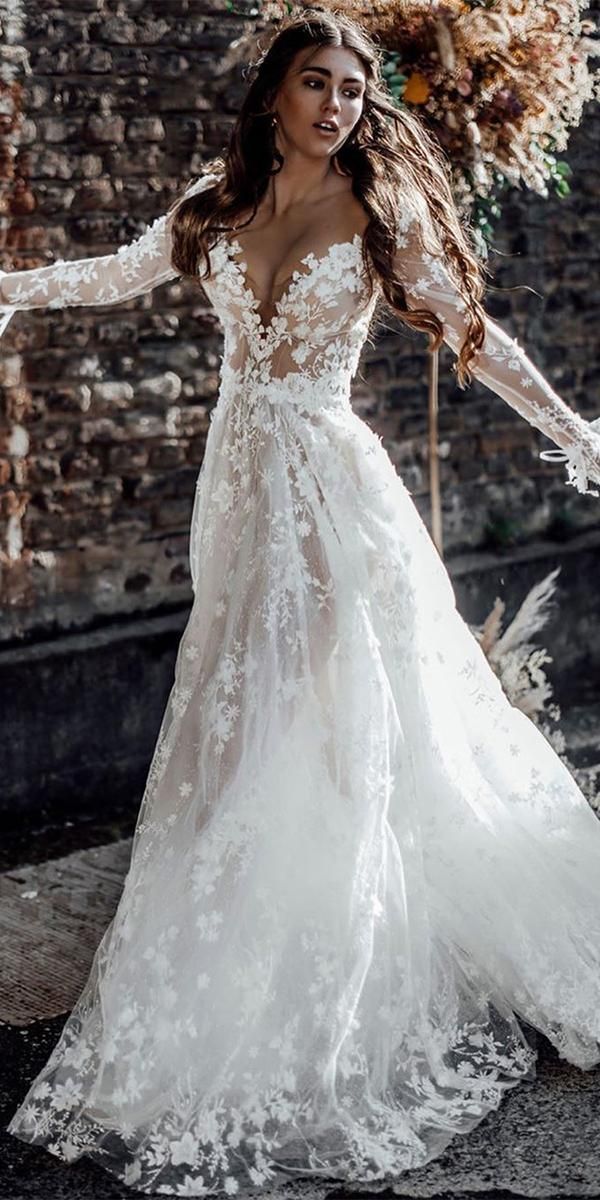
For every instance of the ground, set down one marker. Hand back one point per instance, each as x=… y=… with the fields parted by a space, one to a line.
x=58 y=889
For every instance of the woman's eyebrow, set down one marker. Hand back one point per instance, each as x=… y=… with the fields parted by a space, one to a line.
x=326 y=71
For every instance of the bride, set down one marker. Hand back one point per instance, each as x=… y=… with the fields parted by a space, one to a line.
x=358 y=871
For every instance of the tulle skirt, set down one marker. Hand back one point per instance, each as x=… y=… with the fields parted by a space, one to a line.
x=356 y=866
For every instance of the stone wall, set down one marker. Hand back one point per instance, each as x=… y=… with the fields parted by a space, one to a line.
x=109 y=107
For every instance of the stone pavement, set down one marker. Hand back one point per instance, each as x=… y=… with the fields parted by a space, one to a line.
x=52 y=917
x=544 y=1141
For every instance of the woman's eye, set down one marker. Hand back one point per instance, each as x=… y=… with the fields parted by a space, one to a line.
x=349 y=92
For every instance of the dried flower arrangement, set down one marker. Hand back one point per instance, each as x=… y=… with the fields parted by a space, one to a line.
x=518 y=663
x=500 y=83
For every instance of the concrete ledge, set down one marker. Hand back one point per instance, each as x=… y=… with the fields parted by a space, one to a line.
x=82 y=711
x=82 y=715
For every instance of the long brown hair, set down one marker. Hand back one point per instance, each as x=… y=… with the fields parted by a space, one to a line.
x=394 y=162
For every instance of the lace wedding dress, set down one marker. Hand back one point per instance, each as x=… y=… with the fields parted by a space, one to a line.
x=356 y=865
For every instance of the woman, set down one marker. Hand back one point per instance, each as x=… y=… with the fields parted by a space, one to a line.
x=356 y=867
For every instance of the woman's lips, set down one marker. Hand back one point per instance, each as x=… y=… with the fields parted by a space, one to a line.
x=326 y=132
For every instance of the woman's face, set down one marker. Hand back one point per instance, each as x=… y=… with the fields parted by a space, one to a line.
x=324 y=85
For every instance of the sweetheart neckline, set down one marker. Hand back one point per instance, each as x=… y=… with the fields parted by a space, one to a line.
x=296 y=276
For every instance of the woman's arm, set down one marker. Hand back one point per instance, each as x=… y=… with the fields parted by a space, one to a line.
x=501 y=363
x=108 y=279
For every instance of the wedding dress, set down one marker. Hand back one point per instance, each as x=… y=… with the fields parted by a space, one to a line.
x=357 y=867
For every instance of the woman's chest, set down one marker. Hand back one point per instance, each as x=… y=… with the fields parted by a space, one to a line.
x=324 y=292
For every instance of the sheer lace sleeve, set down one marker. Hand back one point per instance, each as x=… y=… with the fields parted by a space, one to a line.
x=502 y=363
x=133 y=269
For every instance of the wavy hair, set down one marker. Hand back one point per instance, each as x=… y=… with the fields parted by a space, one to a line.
x=392 y=158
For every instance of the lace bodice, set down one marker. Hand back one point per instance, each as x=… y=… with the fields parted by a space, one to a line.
x=308 y=353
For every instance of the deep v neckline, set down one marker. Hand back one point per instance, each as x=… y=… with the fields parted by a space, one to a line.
x=296 y=276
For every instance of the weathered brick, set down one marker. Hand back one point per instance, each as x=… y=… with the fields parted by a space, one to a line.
x=106 y=411
x=84 y=493
x=92 y=59
x=172 y=514
x=80 y=464
x=146 y=129
x=105 y=128
x=140 y=425
x=76 y=399
x=130 y=456
x=195 y=450
x=95 y=194
x=177 y=482
x=10 y=370
x=136 y=160
x=102 y=430
x=165 y=388
x=12 y=503
x=167 y=454
x=112 y=394
x=43 y=468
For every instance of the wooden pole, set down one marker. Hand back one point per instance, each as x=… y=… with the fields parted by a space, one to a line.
x=434 y=462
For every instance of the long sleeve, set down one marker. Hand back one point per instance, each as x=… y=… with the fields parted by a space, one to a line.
x=501 y=363
x=132 y=270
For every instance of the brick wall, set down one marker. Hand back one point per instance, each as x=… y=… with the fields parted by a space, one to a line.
x=108 y=107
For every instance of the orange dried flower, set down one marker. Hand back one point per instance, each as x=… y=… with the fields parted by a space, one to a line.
x=417 y=89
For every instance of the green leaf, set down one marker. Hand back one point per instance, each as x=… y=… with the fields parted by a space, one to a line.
x=562 y=188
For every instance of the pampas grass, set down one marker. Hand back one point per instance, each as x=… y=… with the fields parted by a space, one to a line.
x=519 y=665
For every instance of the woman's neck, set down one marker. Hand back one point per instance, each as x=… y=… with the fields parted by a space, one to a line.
x=300 y=181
